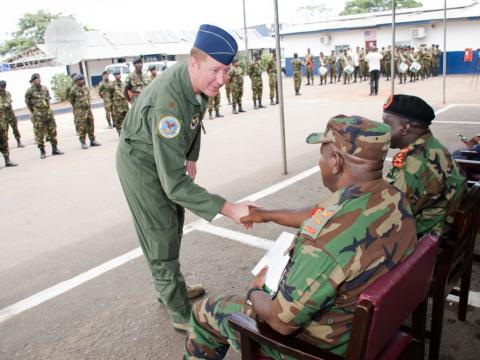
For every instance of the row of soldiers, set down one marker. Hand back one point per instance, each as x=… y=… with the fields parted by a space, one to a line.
x=234 y=86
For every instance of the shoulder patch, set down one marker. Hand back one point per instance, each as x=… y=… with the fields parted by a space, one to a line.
x=168 y=127
x=313 y=226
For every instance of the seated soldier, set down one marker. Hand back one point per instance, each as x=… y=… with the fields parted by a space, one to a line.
x=423 y=169
x=352 y=237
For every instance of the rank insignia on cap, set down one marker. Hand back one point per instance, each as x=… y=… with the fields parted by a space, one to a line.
x=169 y=127
x=195 y=121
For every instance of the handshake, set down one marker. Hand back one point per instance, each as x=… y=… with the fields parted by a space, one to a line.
x=246 y=213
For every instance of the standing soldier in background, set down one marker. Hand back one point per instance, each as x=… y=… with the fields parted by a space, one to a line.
x=214 y=103
x=80 y=99
x=152 y=69
x=104 y=92
x=435 y=60
x=228 y=91
x=6 y=112
x=67 y=96
x=255 y=73
x=332 y=61
x=297 y=73
x=322 y=68
x=272 y=78
x=363 y=65
x=136 y=81
x=387 y=62
x=5 y=115
x=119 y=103
x=308 y=61
x=235 y=78
x=37 y=99
x=382 y=62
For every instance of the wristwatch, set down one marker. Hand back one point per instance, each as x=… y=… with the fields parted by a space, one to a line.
x=249 y=293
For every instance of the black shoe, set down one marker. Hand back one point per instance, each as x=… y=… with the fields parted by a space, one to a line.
x=43 y=154
x=240 y=108
x=210 y=116
x=260 y=106
x=56 y=150
x=110 y=126
x=234 y=111
x=272 y=102
x=218 y=115
x=276 y=101
x=84 y=145
x=9 y=163
x=95 y=143
x=19 y=143
x=255 y=105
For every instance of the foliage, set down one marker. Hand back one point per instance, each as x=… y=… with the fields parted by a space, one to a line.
x=60 y=83
x=313 y=10
x=364 y=6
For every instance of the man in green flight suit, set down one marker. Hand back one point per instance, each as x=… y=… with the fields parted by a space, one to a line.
x=423 y=169
x=358 y=233
x=156 y=163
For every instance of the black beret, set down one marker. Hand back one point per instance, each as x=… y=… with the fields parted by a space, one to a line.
x=72 y=75
x=151 y=67
x=35 y=76
x=137 y=59
x=3 y=83
x=410 y=107
x=105 y=72
x=116 y=72
x=78 y=77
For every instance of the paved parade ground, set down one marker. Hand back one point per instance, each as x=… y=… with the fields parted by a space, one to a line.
x=73 y=282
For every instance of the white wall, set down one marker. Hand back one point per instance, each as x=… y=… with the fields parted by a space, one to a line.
x=18 y=81
x=460 y=35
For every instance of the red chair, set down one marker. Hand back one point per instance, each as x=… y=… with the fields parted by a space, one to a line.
x=454 y=264
x=382 y=309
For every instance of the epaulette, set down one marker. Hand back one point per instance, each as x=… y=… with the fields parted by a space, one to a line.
x=313 y=226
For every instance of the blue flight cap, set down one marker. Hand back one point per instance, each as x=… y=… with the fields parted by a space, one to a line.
x=217 y=43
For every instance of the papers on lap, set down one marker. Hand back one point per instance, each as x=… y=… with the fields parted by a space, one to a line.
x=276 y=259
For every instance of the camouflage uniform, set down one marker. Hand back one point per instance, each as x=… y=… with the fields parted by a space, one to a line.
x=119 y=104
x=323 y=61
x=435 y=61
x=135 y=83
x=37 y=99
x=332 y=60
x=7 y=115
x=255 y=73
x=235 y=76
x=387 y=57
x=272 y=79
x=214 y=103
x=228 y=92
x=308 y=61
x=80 y=99
x=353 y=237
x=364 y=73
x=297 y=75
x=432 y=183
x=104 y=92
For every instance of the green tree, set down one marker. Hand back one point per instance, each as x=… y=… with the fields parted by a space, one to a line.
x=364 y=6
x=31 y=29
x=60 y=83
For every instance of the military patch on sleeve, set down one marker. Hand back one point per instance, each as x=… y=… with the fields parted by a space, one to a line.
x=312 y=227
x=168 y=127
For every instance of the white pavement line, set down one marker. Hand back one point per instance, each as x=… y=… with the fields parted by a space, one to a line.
x=246 y=239
x=67 y=285
x=473 y=298
x=457 y=122
x=448 y=107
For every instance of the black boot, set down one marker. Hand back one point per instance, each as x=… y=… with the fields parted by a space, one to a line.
x=210 y=116
x=240 y=109
x=84 y=145
x=276 y=100
x=8 y=162
x=43 y=154
x=271 y=102
x=234 y=109
x=217 y=114
x=94 y=143
x=56 y=150
x=19 y=143
x=260 y=104
x=255 y=104
x=110 y=126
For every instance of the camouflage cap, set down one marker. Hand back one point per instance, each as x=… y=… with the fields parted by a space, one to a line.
x=356 y=136
x=35 y=76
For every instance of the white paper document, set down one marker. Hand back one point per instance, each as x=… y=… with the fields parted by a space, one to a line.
x=276 y=259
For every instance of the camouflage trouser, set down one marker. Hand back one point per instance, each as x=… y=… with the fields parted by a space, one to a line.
x=257 y=88
x=388 y=69
x=4 y=136
x=44 y=127
x=435 y=67
x=13 y=123
x=211 y=335
x=237 y=94
x=228 y=90
x=423 y=69
x=214 y=103
x=332 y=73
x=107 y=105
x=297 y=80
x=309 y=75
x=272 y=82
x=118 y=115
x=85 y=123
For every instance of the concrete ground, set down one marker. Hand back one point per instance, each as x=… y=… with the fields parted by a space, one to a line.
x=65 y=218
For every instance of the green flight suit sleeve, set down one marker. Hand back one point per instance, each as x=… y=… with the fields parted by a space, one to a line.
x=194 y=152
x=170 y=157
